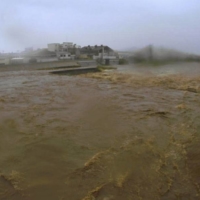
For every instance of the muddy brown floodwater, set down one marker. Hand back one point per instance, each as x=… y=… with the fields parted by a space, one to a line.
x=133 y=133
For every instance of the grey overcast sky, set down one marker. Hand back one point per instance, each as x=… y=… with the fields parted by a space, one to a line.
x=121 y=24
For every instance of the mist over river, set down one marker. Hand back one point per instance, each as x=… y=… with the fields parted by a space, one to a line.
x=130 y=133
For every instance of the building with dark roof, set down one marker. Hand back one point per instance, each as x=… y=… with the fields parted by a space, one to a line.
x=103 y=54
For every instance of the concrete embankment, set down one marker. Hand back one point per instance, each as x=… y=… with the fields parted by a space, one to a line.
x=84 y=67
x=50 y=65
x=75 y=71
x=38 y=66
x=87 y=63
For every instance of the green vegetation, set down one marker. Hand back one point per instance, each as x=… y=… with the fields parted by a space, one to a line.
x=123 y=61
x=156 y=56
x=155 y=62
x=162 y=62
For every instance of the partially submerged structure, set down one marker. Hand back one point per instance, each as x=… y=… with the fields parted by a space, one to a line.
x=65 y=51
x=102 y=54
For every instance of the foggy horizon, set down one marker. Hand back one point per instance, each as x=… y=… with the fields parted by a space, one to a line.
x=119 y=24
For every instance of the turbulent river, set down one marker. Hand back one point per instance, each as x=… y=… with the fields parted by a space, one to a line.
x=131 y=133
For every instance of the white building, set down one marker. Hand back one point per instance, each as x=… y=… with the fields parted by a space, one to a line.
x=17 y=60
x=67 y=45
x=54 y=47
x=65 y=55
x=4 y=61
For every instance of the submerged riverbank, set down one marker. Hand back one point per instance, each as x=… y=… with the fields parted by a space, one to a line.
x=131 y=133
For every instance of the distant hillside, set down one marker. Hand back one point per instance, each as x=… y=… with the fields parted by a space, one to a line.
x=161 y=54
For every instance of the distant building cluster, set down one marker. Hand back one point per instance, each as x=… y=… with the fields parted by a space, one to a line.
x=57 y=52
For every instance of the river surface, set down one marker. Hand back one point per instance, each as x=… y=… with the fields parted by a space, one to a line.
x=131 y=133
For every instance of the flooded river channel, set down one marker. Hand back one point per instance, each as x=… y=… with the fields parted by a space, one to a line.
x=131 y=133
